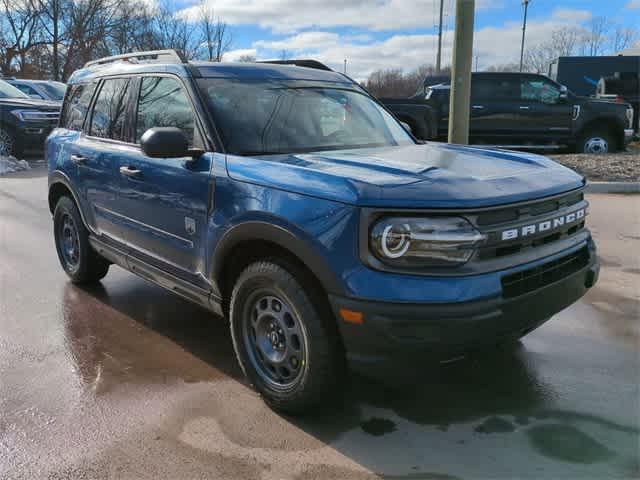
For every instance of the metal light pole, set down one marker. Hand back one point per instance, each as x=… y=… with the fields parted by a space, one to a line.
x=439 y=55
x=461 y=73
x=524 y=28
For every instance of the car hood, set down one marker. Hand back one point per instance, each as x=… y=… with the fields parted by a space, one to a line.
x=433 y=175
x=31 y=103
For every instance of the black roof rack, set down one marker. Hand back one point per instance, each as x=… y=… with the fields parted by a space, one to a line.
x=300 y=63
x=152 y=56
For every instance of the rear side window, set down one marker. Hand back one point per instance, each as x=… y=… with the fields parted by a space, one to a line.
x=109 y=110
x=27 y=89
x=76 y=106
x=495 y=89
x=164 y=103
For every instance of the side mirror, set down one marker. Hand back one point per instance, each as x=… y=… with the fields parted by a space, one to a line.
x=165 y=142
x=407 y=127
x=564 y=93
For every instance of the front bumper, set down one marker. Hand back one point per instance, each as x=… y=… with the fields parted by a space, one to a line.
x=31 y=137
x=411 y=334
x=628 y=135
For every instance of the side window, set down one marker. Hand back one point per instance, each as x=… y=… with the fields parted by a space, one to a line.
x=164 y=103
x=109 y=110
x=539 y=90
x=76 y=106
x=501 y=89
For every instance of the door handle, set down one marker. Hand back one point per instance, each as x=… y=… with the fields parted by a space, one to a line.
x=78 y=159
x=130 y=171
x=478 y=107
x=524 y=107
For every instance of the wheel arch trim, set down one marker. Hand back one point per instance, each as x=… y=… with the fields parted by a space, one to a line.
x=261 y=230
x=60 y=178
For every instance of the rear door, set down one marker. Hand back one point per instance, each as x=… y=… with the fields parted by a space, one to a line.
x=494 y=108
x=99 y=151
x=166 y=200
x=543 y=115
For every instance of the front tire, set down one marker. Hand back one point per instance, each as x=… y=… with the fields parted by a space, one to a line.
x=78 y=259
x=286 y=344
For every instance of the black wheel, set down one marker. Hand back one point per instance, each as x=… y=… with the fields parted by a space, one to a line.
x=8 y=145
x=285 y=341
x=597 y=141
x=78 y=259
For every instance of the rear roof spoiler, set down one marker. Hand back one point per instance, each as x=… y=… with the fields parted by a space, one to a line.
x=300 y=63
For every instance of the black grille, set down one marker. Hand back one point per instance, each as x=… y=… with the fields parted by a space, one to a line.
x=529 y=280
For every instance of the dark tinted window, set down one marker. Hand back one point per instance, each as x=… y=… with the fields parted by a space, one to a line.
x=109 y=111
x=164 y=103
x=495 y=89
x=76 y=106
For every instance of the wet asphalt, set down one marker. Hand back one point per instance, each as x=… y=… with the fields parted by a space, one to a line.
x=128 y=381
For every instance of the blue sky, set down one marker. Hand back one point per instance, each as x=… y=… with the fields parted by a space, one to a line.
x=374 y=34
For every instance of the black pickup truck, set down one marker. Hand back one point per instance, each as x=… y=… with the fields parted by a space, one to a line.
x=521 y=110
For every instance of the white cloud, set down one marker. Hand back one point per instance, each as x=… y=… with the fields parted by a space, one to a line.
x=633 y=5
x=289 y=16
x=492 y=45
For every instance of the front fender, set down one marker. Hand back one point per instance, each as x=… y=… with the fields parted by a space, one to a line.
x=284 y=235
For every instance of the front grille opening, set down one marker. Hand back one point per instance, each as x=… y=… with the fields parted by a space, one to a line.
x=527 y=281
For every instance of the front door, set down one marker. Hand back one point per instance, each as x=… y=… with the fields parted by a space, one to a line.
x=165 y=200
x=544 y=115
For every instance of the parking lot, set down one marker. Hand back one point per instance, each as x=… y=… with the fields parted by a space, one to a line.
x=128 y=381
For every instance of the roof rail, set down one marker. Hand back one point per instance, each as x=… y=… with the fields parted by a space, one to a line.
x=300 y=63
x=152 y=56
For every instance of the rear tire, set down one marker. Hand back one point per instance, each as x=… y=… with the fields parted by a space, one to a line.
x=78 y=259
x=596 y=141
x=285 y=341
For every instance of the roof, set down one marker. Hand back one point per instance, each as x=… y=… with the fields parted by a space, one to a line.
x=210 y=70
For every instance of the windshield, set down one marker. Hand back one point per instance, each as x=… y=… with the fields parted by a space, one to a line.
x=55 y=90
x=263 y=117
x=9 y=91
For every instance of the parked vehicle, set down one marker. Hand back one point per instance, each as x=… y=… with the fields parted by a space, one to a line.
x=522 y=110
x=290 y=201
x=24 y=122
x=41 y=89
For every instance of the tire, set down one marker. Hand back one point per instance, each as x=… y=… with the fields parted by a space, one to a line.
x=8 y=145
x=78 y=259
x=598 y=140
x=285 y=340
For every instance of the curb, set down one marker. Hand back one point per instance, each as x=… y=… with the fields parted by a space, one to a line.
x=613 y=187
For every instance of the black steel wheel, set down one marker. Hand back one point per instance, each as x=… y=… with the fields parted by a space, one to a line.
x=78 y=259
x=275 y=339
x=285 y=338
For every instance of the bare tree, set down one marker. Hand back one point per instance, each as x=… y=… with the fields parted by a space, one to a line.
x=217 y=39
x=397 y=83
x=623 y=37
x=247 y=58
x=596 y=36
x=19 y=33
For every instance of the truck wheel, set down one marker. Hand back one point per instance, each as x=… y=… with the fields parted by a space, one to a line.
x=285 y=346
x=7 y=143
x=596 y=141
x=78 y=259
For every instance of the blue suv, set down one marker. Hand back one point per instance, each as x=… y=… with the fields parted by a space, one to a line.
x=291 y=202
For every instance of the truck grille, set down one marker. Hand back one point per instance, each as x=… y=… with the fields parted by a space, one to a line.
x=537 y=215
x=534 y=278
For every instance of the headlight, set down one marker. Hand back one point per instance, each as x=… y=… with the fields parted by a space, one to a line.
x=33 y=115
x=424 y=241
x=630 y=117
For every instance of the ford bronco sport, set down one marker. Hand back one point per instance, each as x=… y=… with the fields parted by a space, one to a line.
x=291 y=202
